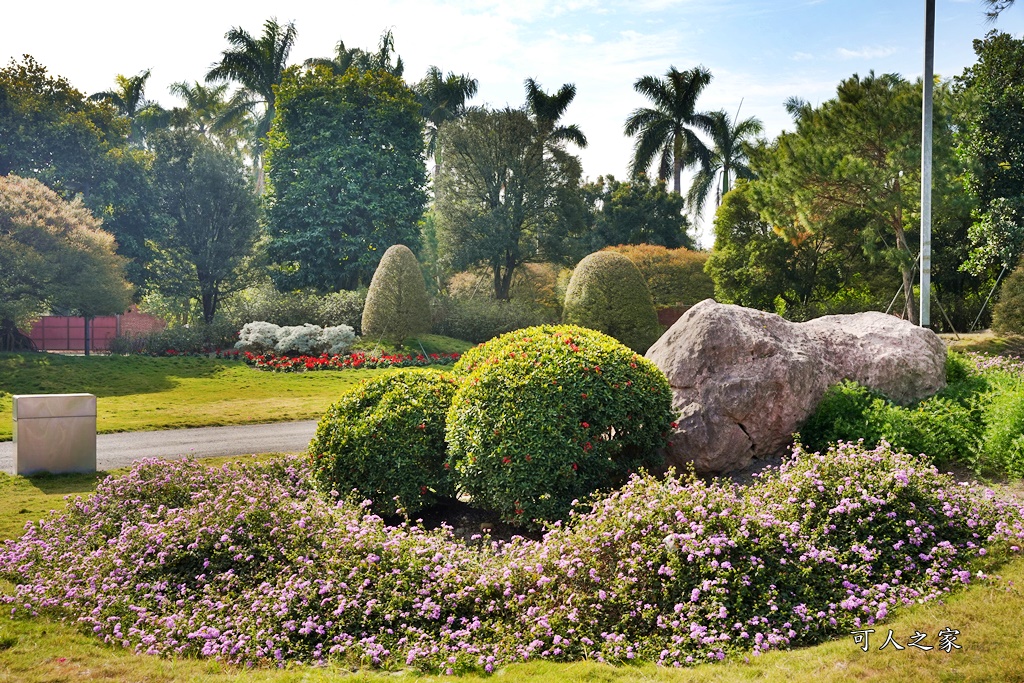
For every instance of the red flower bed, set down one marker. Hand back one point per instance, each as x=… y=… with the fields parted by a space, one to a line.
x=269 y=361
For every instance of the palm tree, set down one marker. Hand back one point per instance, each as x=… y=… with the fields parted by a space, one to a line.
x=996 y=7
x=442 y=99
x=257 y=65
x=669 y=130
x=548 y=109
x=128 y=98
x=728 y=159
x=204 y=107
x=345 y=58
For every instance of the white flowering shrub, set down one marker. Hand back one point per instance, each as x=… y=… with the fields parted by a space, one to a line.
x=258 y=336
x=337 y=340
x=301 y=339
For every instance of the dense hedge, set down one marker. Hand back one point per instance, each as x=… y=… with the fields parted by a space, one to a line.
x=607 y=293
x=481 y=318
x=397 y=305
x=386 y=440
x=549 y=414
x=675 y=277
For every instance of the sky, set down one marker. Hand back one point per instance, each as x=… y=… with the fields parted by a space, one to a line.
x=759 y=52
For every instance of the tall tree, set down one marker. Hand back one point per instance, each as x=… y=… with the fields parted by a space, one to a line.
x=727 y=160
x=503 y=201
x=51 y=131
x=53 y=255
x=996 y=7
x=442 y=98
x=668 y=131
x=547 y=110
x=347 y=176
x=257 y=65
x=635 y=212
x=129 y=99
x=210 y=216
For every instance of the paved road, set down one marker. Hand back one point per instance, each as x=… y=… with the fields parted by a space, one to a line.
x=120 y=450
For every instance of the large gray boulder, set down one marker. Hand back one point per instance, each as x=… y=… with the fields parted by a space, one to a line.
x=744 y=380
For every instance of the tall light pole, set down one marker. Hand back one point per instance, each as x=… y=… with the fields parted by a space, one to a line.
x=926 y=164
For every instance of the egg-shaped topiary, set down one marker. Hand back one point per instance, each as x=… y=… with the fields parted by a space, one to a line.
x=386 y=440
x=396 y=303
x=548 y=414
x=1008 y=314
x=607 y=293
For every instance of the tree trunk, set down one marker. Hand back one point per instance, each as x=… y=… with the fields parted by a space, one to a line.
x=209 y=305
x=88 y=340
x=677 y=172
x=907 y=271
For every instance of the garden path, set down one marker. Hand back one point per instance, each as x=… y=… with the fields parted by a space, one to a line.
x=120 y=450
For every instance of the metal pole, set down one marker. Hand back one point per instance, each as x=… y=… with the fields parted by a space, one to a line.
x=926 y=164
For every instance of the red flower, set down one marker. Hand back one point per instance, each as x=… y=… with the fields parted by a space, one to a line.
x=506 y=460
x=575 y=466
x=585 y=425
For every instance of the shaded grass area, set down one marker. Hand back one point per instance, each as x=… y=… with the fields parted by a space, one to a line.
x=138 y=393
x=985 y=341
x=987 y=615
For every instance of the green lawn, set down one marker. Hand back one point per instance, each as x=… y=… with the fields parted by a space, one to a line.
x=988 y=617
x=142 y=393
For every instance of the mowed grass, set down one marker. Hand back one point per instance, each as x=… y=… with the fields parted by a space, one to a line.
x=139 y=393
x=988 y=616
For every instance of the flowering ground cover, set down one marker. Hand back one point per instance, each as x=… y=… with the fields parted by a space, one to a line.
x=251 y=566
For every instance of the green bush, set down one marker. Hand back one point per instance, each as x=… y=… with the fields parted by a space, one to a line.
x=607 y=293
x=1008 y=314
x=265 y=303
x=385 y=439
x=396 y=303
x=675 y=277
x=195 y=338
x=1003 y=440
x=549 y=414
x=949 y=427
x=481 y=318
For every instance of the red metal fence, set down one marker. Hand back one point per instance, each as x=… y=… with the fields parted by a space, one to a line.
x=67 y=333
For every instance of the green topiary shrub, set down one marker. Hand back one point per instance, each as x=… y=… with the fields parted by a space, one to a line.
x=675 y=277
x=386 y=440
x=607 y=293
x=549 y=414
x=1008 y=314
x=396 y=303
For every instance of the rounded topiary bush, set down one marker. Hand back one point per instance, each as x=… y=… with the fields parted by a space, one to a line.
x=386 y=440
x=549 y=414
x=1008 y=314
x=607 y=293
x=396 y=303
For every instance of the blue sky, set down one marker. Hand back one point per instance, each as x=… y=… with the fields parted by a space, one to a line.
x=760 y=52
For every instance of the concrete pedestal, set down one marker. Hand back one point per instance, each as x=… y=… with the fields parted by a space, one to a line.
x=54 y=433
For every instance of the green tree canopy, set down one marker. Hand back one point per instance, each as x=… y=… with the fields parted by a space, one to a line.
x=859 y=152
x=503 y=202
x=635 y=212
x=129 y=99
x=210 y=219
x=52 y=132
x=54 y=256
x=990 y=139
x=347 y=176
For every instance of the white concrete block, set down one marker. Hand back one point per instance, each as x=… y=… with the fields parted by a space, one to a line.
x=54 y=433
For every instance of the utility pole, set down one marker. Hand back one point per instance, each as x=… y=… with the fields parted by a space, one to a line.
x=926 y=164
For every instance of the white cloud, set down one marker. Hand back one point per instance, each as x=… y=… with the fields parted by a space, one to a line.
x=875 y=52
x=802 y=56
